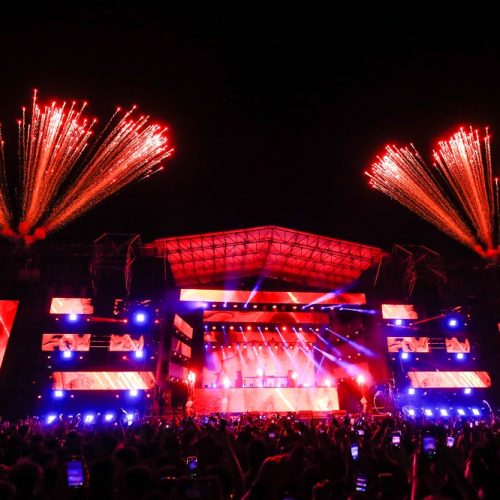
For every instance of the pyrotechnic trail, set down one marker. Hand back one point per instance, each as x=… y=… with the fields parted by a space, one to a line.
x=64 y=173
x=456 y=194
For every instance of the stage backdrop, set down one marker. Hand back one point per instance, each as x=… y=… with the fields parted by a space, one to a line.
x=243 y=364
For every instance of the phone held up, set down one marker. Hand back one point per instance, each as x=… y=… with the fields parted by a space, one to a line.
x=429 y=446
x=192 y=463
x=75 y=473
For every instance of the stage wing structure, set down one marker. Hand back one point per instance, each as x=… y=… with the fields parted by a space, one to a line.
x=270 y=251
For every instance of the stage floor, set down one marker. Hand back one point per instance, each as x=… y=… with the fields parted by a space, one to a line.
x=259 y=399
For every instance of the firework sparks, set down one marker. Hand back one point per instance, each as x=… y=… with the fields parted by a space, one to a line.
x=5 y=211
x=456 y=194
x=64 y=173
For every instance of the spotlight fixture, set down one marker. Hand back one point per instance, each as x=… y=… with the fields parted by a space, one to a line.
x=467 y=390
x=411 y=391
x=72 y=317
x=140 y=318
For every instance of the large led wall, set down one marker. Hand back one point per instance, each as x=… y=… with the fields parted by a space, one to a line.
x=238 y=364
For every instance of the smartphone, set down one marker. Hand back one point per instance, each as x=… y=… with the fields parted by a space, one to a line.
x=429 y=446
x=396 y=439
x=361 y=432
x=192 y=463
x=74 y=473
x=450 y=441
x=272 y=435
x=361 y=482
x=354 y=451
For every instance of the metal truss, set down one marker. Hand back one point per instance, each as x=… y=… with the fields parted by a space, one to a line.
x=270 y=251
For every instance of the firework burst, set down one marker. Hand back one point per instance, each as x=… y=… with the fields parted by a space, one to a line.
x=64 y=172
x=457 y=194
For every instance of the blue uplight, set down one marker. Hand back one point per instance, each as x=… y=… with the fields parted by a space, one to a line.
x=468 y=391
x=411 y=391
x=133 y=393
x=139 y=354
x=67 y=354
x=405 y=355
x=58 y=394
x=73 y=317
x=460 y=356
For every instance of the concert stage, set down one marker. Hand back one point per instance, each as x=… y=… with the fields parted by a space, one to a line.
x=278 y=399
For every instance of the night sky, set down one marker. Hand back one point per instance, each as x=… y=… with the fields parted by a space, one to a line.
x=274 y=112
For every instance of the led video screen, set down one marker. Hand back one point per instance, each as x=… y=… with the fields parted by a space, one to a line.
x=179 y=347
x=8 y=310
x=178 y=371
x=125 y=342
x=449 y=379
x=259 y=366
x=408 y=344
x=65 y=342
x=279 y=317
x=68 y=305
x=246 y=336
x=102 y=381
x=261 y=297
x=398 y=311
x=455 y=345
x=183 y=327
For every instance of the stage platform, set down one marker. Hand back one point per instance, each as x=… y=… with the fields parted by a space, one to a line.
x=265 y=399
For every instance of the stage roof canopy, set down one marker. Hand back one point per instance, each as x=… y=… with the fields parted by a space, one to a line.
x=269 y=251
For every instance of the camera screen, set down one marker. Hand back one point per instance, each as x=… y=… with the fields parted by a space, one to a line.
x=354 y=451
x=74 y=469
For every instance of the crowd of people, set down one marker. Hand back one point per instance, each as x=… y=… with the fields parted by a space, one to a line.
x=251 y=457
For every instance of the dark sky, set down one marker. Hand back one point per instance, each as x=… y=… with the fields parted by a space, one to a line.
x=275 y=112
